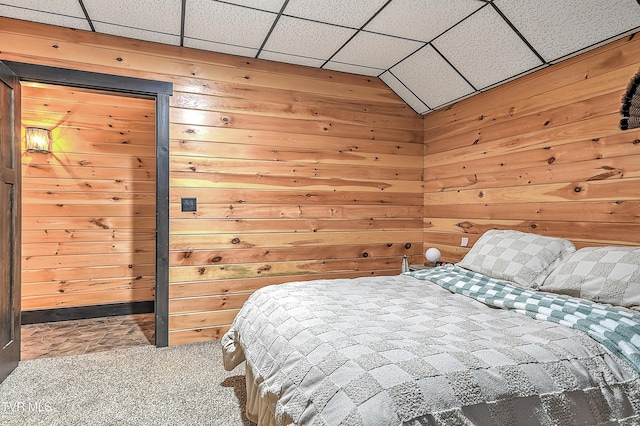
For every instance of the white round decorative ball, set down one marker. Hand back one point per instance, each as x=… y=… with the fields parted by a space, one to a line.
x=432 y=254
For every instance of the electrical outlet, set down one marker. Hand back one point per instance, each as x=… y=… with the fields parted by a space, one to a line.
x=464 y=242
x=189 y=204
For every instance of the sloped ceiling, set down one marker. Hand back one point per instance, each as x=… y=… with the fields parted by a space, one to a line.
x=430 y=52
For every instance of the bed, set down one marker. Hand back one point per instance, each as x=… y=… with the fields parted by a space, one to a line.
x=524 y=330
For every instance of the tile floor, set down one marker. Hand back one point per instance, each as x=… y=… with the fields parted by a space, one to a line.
x=77 y=337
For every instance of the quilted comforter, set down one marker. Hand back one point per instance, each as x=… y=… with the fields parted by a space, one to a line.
x=401 y=350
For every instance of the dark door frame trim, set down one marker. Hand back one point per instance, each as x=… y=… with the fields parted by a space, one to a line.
x=160 y=91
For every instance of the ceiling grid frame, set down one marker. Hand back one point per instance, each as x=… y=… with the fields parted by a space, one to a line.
x=348 y=34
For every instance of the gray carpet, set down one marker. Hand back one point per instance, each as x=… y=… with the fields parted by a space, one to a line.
x=180 y=385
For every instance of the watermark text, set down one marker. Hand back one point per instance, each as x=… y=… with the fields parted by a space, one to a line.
x=25 y=406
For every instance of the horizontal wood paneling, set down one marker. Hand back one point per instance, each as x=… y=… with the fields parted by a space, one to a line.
x=269 y=102
x=84 y=236
x=89 y=206
x=199 y=334
x=278 y=254
x=299 y=173
x=136 y=294
x=208 y=288
x=542 y=154
x=87 y=273
x=281 y=192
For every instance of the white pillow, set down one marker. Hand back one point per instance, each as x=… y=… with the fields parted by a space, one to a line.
x=602 y=274
x=523 y=258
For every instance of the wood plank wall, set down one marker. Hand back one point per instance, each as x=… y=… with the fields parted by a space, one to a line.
x=542 y=154
x=299 y=173
x=88 y=226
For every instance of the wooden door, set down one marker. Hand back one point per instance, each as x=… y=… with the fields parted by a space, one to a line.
x=9 y=221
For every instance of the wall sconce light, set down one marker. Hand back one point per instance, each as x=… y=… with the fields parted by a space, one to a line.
x=38 y=140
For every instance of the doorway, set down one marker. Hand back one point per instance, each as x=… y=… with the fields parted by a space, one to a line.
x=88 y=220
x=159 y=92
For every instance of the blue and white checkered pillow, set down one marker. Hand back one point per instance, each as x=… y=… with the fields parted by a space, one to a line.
x=602 y=274
x=520 y=257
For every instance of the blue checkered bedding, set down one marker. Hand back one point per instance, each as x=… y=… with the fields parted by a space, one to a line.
x=616 y=328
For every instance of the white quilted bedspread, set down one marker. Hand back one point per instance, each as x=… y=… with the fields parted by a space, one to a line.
x=398 y=350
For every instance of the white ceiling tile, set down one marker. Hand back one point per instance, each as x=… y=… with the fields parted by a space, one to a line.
x=291 y=59
x=485 y=49
x=220 y=47
x=72 y=17
x=421 y=19
x=559 y=28
x=353 y=69
x=270 y=5
x=349 y=13
x=161 y=16
x=376 y=50
x=306 y=38
x=137 y=34
x=225 y=23
x=431 y=78
x=60 y=7
x=404 y=93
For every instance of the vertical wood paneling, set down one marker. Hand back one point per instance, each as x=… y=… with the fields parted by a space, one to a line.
x=88 y=207
x=299 y=173
x=541 y=154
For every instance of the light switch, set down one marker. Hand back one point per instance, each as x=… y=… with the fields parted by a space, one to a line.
x=189 y=204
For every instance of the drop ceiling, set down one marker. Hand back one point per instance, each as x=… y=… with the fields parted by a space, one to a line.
x=430 y=52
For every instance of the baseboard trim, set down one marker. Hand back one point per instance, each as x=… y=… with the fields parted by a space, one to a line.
x=86 y=312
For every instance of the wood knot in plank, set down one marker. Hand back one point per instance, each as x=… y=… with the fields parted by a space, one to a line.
x=99 y=222
x=465 y=225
